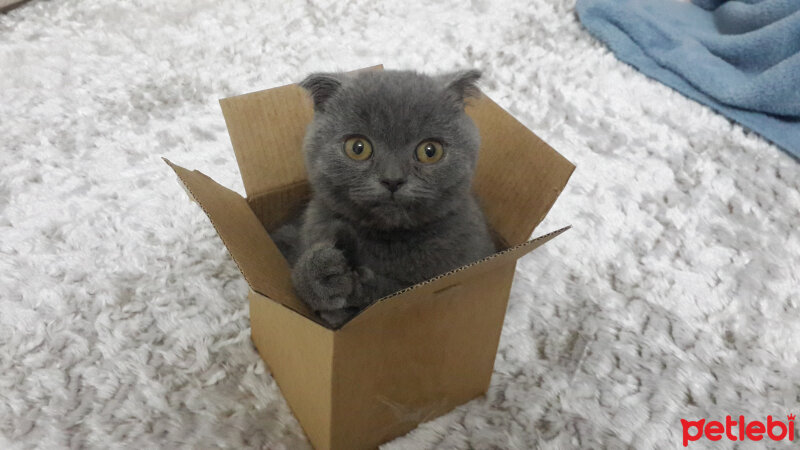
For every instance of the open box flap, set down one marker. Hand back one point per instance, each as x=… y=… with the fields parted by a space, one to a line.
x=519 y=176
x=261 y=263
x=267 y=130
x=453 y=278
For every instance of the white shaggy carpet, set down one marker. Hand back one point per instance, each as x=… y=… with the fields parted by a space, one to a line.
x=123 y=321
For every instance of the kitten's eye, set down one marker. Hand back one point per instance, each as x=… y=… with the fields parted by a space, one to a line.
x=429 y=152
x=358 y=148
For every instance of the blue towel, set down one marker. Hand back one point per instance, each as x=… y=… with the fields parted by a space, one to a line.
x=740 y=57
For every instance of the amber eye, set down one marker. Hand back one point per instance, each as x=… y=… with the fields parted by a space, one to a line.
x=358 y=148
x=429 y=151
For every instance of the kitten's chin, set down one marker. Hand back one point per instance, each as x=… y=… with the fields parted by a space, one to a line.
x=386 y=213
x=390 y=216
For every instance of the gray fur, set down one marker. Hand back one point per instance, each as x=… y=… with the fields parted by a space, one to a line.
x=357 y=240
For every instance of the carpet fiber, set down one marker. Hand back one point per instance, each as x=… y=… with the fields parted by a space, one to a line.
x=123 y=321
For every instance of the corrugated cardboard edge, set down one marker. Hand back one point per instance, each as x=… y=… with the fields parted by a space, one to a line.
x=175 y=168
x=520 y=250
x=517 y=248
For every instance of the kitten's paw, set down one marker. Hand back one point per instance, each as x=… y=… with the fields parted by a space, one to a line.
x=324 y=278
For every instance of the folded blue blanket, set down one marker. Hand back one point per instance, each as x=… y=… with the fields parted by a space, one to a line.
x=740 y=57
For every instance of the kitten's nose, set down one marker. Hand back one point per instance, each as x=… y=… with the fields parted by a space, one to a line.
x=392 y=184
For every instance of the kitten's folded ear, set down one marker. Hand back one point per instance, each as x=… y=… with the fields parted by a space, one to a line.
x=463 y=84
x=321 y=86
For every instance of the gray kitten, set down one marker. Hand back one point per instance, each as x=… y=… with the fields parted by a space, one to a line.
x=390 y=157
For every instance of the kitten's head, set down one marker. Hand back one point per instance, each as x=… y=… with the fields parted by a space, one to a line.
x=391 y=149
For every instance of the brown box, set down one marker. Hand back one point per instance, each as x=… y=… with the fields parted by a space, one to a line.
x=409 y=357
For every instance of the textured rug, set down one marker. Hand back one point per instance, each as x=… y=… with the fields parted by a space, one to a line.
x=123 y=321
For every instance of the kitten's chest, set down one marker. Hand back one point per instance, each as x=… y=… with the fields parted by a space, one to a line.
x=411 y=259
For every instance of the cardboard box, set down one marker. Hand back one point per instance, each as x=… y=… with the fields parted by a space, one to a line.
x=409 y=357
